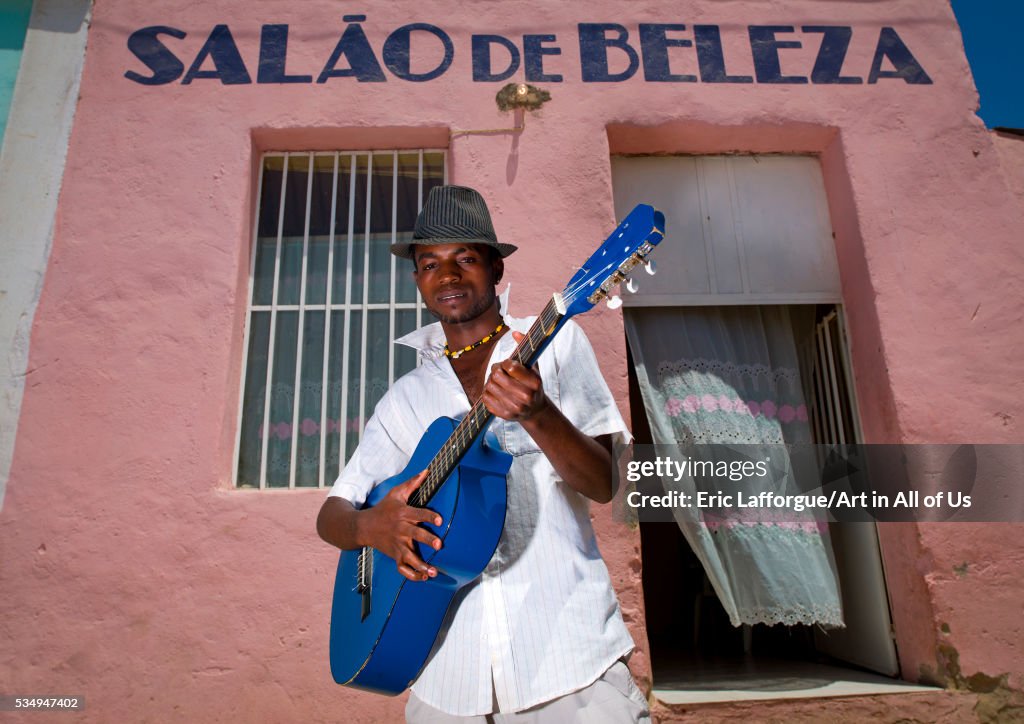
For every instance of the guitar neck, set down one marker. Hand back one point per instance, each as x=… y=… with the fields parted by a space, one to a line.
x=476 y=421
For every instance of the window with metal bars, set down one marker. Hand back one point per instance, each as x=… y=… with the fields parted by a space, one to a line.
x=327 y=300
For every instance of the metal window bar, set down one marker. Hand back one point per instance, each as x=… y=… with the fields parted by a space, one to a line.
x=329 y=305
x=833 y=377
x=343 y=412
x=364 y=327
x=297 y=389
x=830 y=408
x=419 y=205
x=850 y=392
x=328 y=294
x=394 y=270
x=273 y=327
x=829 y=414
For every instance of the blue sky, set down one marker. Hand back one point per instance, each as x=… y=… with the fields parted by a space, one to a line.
x=992 y=31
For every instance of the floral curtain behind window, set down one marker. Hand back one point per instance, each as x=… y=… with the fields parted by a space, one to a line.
x=730 y=375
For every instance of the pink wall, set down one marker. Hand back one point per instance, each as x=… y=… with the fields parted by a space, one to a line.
x=132 y=571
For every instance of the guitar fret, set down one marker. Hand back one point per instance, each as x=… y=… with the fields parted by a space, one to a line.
x=541 y=329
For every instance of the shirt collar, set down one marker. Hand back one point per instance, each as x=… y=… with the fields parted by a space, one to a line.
x=429 y=341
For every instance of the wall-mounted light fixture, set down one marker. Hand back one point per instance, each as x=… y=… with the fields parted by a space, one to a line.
x=519 y=97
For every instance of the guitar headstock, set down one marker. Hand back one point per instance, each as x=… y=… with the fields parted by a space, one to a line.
x=625 y=248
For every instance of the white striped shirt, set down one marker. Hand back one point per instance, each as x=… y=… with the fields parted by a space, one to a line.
x=542 y=621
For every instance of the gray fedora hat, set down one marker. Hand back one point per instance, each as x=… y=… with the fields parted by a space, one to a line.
x=453 y=215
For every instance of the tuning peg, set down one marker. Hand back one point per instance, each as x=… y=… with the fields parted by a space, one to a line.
x=632 y=286
x=614 y=302
x=649 y=266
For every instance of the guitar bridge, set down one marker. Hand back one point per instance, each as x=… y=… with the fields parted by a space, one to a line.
x=364 y=577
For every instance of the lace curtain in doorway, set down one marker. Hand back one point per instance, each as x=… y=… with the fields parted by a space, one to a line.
x=730 y=375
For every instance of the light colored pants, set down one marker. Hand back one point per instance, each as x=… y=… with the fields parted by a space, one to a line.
x=612 y=699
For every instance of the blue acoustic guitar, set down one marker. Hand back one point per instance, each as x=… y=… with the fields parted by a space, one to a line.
x=383 y=626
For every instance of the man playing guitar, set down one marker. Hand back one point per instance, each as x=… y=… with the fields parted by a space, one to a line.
x=539 y=636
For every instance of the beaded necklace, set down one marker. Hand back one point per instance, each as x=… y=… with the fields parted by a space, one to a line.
x=455 y=355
